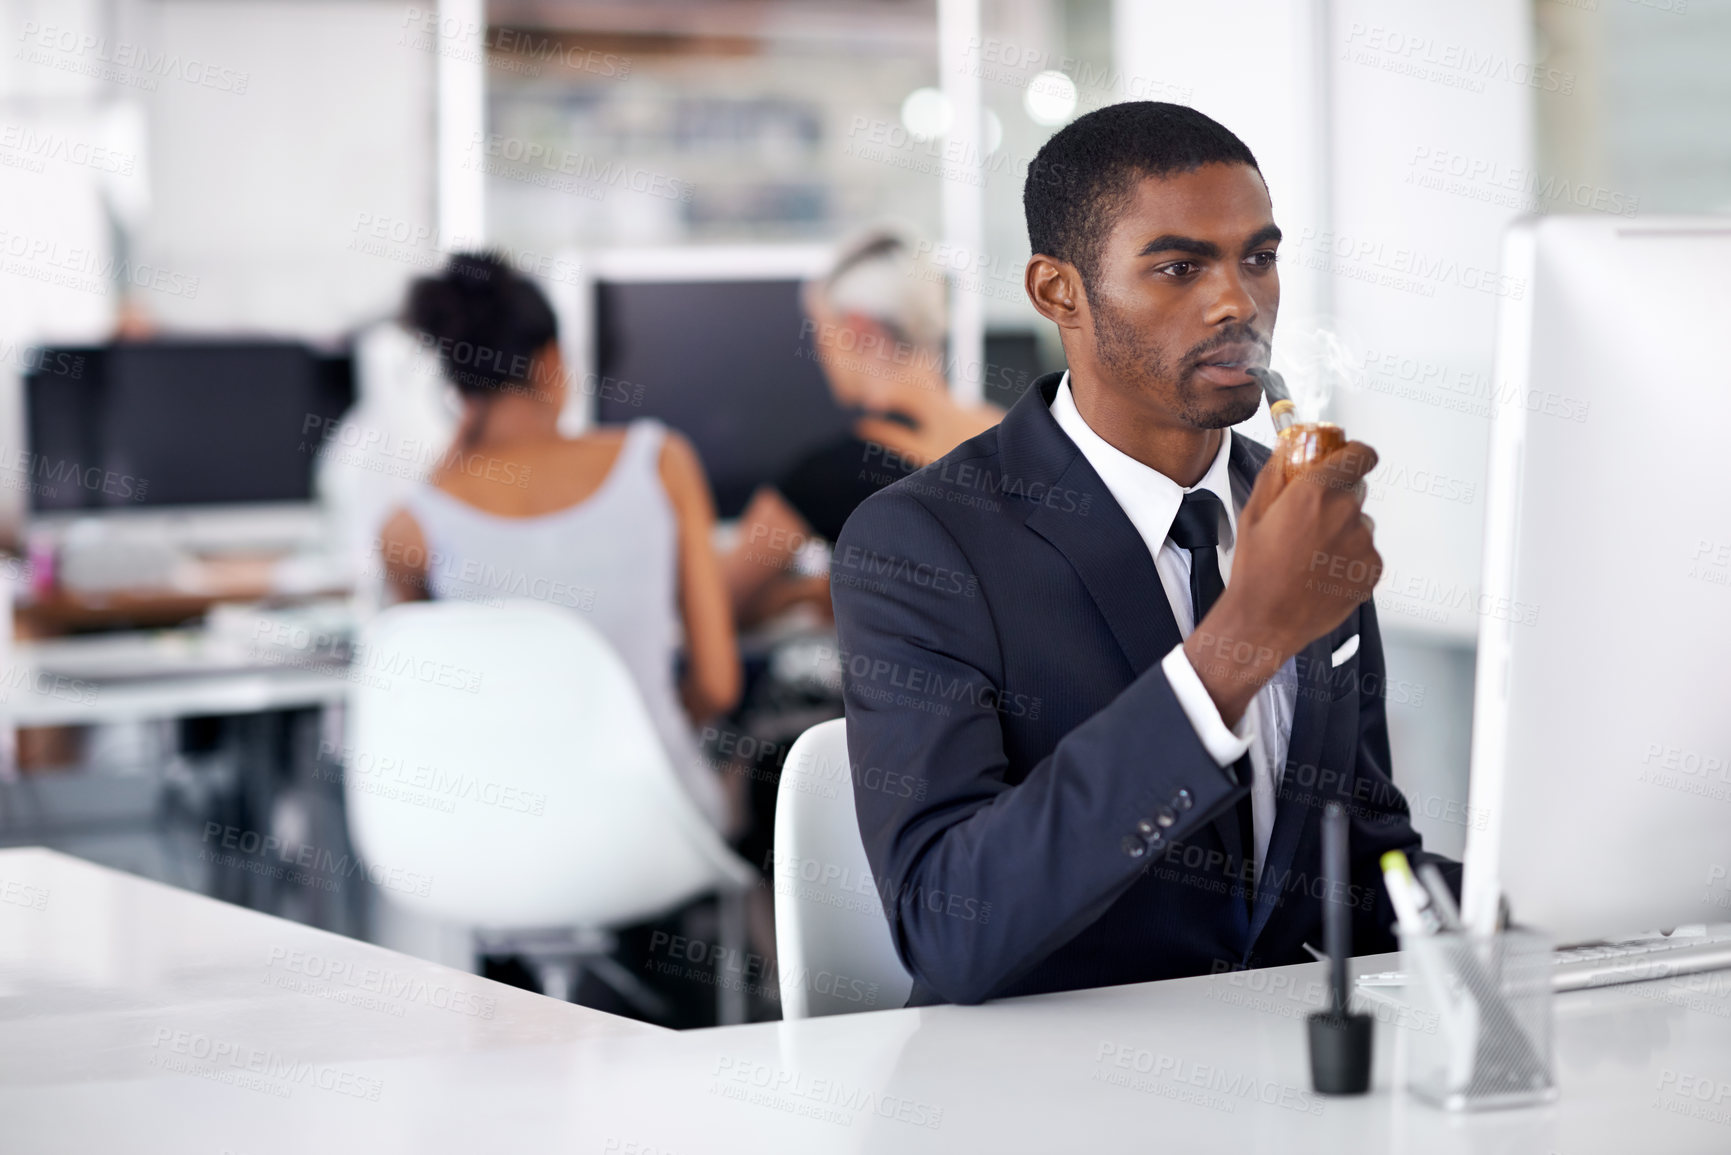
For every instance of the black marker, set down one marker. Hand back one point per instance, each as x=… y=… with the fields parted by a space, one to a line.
x=1336 y=923
x=1339 y=1039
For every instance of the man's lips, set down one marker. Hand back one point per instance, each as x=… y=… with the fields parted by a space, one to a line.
x=1227 y=366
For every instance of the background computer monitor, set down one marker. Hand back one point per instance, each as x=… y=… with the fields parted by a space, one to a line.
x=1014 y=359
x=727 y=362
x=179 y=423
x=714 y=342
x=1601 y=768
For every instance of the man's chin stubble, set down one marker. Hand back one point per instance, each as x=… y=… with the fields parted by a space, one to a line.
x=1220 y=417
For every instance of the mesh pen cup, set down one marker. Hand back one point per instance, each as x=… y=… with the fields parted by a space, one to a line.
x=1492 y=1001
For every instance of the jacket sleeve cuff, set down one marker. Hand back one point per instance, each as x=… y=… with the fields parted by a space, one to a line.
x=1225 y=745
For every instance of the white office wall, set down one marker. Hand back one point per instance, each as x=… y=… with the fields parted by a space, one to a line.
x=1249 y=65
x=270 y=196
x=60 y=156
x=57 y=159
x=1265 y=87
x=204 y=166
x=1423 y=91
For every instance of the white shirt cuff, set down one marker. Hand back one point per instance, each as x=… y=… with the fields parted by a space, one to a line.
x=1226 y=746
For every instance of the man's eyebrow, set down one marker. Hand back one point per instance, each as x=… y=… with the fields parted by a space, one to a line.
x=1173 y=243
x=1262 y=236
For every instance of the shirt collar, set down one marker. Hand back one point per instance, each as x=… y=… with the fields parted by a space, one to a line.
x=1148 y=497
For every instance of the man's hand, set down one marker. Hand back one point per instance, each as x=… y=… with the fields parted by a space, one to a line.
x=1303 y=561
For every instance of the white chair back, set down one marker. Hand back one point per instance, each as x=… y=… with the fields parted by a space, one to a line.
x=502 y=772
x=834 y=953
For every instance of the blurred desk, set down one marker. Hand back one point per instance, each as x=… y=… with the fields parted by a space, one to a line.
x=204 y=582
x=115 y=995
x=169 y=674
x=62 y=611
x=159 y=677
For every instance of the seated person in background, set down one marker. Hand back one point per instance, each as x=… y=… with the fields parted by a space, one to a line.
x=877 y=321
x=1125 y=721
x=615 y=524
x=358 y=475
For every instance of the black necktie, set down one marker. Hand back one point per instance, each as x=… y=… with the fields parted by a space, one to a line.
x=1197 y=529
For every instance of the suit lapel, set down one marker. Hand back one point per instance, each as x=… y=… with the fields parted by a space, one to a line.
x=1296 y=809
x=1114 y=564
x=1086 y=526
x=1102 y=546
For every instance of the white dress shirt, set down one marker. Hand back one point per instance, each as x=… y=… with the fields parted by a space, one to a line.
x=1150 y=500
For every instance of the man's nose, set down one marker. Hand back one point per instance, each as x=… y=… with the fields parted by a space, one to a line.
x=1232 y=299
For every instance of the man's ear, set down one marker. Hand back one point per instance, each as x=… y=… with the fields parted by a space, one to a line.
x=1055 y=287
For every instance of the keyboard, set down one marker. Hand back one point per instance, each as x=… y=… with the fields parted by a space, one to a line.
x=1638 y=961
x=1606 y=964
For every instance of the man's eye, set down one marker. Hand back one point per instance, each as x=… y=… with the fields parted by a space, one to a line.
x=1264 y=259
x=1178 y=269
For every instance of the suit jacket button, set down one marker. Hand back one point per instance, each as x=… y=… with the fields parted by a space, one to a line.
x=1165 y=816
x=1145 y=828
x=1133 y=846
x=1182 y=800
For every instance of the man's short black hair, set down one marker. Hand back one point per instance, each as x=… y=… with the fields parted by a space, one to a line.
x=1078 y=182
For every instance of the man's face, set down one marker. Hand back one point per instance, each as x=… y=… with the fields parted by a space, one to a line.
x=1185 y=293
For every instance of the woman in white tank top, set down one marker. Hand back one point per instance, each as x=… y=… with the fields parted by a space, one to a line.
x=614 y=524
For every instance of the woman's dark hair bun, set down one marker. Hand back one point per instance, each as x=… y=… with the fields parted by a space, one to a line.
x=485 y=320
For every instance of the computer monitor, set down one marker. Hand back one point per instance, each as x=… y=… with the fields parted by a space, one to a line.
x=178 y=423
x=714 y=343
x=1014 y=359
x=1601 y=754
x=206 y=445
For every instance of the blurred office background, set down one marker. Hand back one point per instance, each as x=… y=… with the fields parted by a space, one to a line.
x=274 y=172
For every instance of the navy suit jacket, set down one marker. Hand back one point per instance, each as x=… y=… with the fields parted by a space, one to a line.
x=1038 y=810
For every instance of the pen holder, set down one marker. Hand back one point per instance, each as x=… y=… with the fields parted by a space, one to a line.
x=1491 y=998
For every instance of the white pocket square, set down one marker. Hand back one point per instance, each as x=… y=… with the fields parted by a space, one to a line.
x=1347 y=649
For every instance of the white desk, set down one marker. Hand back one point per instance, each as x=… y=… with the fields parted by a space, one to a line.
x=168 y=674
x=107 y=990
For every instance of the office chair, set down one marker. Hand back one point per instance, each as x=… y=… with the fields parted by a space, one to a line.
x=502 y=774
x=834 y=953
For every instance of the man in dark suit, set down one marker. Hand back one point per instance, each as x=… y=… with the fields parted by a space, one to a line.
x=1062 y=780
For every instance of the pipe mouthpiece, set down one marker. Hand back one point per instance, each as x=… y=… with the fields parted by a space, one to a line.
x=1273 y=384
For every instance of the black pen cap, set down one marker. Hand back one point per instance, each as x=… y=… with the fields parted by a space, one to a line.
x=1340 y=1053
